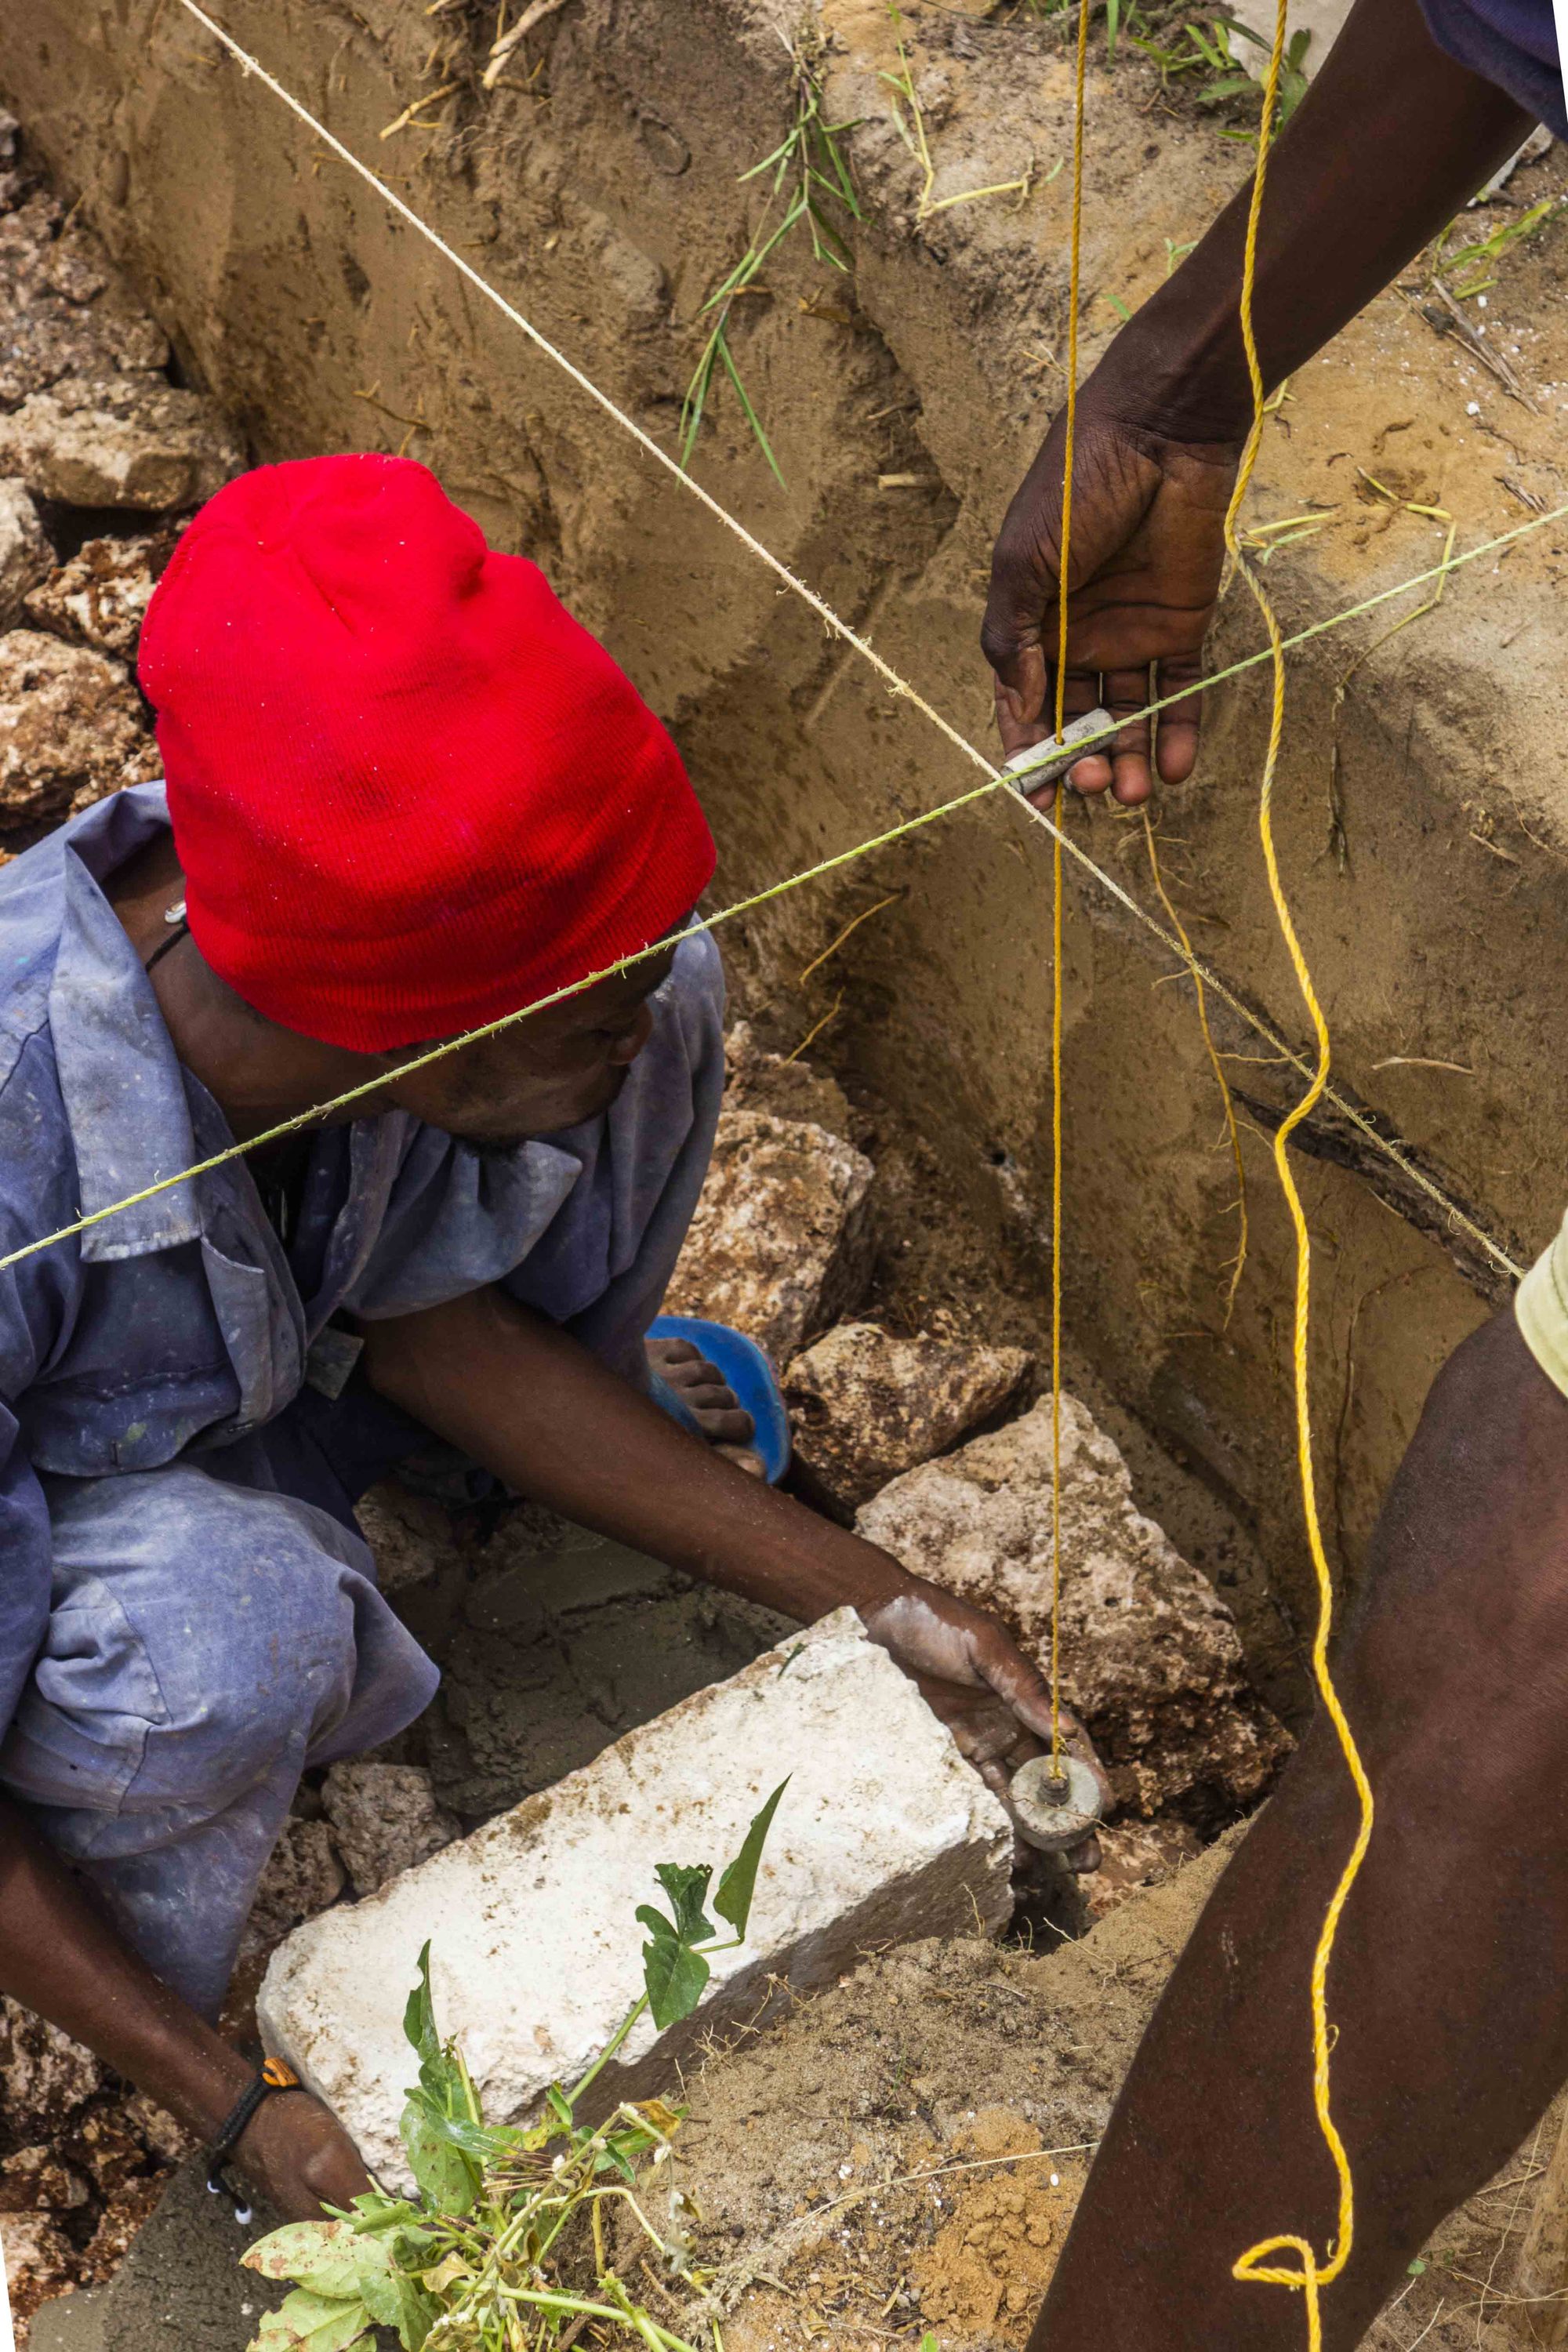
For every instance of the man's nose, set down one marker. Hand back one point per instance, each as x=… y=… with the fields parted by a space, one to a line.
x=628 y=1048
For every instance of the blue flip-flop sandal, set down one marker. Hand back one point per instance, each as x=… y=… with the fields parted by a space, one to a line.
x=744 y=1368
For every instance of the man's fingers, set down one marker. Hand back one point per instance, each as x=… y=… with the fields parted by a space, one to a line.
x=1176 y=738
x=1020 y=1686
x=1091 y=774
x=1020 y=689
x=1126 y=697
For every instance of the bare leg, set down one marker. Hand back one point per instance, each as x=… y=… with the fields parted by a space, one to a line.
x=1447 y=1982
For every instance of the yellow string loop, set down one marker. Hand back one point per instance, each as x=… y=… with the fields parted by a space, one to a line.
x=1310 y=2274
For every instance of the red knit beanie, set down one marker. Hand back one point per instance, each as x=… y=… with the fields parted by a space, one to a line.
x=409 y=792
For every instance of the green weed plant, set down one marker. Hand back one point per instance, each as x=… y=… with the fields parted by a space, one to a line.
x=809 y=189
x=502 y=2247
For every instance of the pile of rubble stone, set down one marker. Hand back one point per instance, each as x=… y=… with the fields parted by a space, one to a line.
x=100 y=457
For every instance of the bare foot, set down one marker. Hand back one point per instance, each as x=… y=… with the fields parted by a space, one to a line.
x=701 y=1387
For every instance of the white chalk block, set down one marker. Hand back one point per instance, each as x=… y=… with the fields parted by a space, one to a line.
x=885 y=1833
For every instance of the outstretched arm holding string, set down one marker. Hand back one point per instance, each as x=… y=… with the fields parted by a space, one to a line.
x=1391 y=139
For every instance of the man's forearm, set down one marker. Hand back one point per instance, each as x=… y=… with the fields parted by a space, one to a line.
x=537 y=1408
x=1391 y=139
x=60 y=1956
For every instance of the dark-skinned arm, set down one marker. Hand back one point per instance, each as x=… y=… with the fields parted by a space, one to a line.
x=59 y=1956
x=1391 y=139
x=537 y=1408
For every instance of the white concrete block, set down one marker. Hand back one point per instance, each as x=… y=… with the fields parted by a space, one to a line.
x=885 y=1833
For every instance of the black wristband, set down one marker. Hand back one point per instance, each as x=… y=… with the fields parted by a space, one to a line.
x=273 y=2076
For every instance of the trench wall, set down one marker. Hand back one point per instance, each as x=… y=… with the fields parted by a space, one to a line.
x=602 y=197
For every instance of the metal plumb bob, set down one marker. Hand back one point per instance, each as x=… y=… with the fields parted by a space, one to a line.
x=1056 y=1801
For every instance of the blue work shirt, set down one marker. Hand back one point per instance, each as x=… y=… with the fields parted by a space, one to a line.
x=184 y=1323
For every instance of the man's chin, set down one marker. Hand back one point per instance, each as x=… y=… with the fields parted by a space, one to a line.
x=494 y=1143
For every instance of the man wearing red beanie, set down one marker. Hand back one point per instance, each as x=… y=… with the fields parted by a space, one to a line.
x=406 y=796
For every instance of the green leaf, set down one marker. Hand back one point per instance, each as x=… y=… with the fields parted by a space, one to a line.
x=374 y=2211
x=560 y=2106
x=736 y=1888
x=392 y=2298
x=419 y=2018
x=322 y=2255
x=674 y=1974
x=315 y=2323
x=685 y=1884
x=448 y=2180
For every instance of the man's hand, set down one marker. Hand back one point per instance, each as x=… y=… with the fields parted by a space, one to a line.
x=298 y=2158
x=1147 y=549
x=979 y=1683
x=533 y=1406
x=1384 y=150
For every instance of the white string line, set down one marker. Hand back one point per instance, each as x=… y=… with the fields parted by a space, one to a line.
x=541 y=342
x=898 y=684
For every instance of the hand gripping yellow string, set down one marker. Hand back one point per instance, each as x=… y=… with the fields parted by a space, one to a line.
x=1063 y=544
x=1309 y=2275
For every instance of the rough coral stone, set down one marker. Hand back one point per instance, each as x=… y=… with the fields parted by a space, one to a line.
x=384 y=1818
x=781 y=1244
x=866 y=1406
x=45 y=2076
x=131 y=442
x=100 y=596
x=71 y=730
x=1150 y=1654
x=26 y=554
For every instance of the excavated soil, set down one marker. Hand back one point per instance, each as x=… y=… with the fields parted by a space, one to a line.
x=906 y=2152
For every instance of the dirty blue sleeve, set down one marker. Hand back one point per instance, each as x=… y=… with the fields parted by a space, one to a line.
x=37 y=1298
x=1512 y=43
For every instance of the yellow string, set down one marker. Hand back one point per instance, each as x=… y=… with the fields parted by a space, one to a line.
x=1237 y=1264
x=1064 y=558
x=1309 y=2276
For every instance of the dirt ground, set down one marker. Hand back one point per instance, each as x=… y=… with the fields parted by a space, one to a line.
x=942 y=2105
